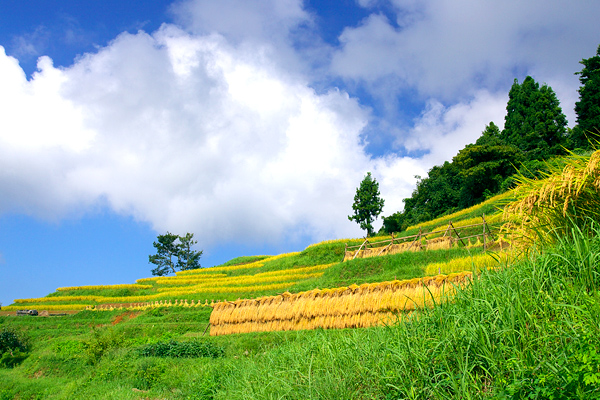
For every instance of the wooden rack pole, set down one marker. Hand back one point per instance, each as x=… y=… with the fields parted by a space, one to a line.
x=358 y=251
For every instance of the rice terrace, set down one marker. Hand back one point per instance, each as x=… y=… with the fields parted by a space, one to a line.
x=322 y=324
x=485 y=285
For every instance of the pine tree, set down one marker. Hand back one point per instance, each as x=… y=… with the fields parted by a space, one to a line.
x=588 y=106
x=534 y=121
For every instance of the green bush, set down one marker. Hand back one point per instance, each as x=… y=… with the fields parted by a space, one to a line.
x=12 y=340
x=12 y=358
x=100 y=343
x=189 y=349
x=13 y=348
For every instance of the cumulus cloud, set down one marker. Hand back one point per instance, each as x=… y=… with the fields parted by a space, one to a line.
x=239 y=20
x=215 y=127
x=188 y=133
x=449 y=49
x=442 y=131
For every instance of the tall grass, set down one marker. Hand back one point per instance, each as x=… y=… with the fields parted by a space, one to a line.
x=527 y=331
x=568 y=193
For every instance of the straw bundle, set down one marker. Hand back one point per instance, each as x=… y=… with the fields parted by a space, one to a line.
x=440 y=243
x=344 y=307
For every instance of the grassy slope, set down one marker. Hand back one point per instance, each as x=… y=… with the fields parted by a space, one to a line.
x=522 y=330
x=401 y=266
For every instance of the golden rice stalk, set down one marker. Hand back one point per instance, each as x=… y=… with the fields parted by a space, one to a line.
x=104 y=287
x=364 y=305
x=49 y=307
x=568 y=193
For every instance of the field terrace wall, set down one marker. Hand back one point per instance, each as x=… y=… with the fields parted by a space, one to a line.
x=346 y=307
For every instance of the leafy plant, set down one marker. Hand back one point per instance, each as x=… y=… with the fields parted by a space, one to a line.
x=100 y=343
x=13 y=347
x=367 y=204
x=190 y=349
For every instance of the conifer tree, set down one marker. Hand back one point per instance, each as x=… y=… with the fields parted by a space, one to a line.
x=588 y=106
x=534 y=121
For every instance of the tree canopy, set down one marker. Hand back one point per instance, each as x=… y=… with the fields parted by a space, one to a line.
x=174 y=252
x=588 y=106
x=534 y=121
x=535 y=131
x=367 y=204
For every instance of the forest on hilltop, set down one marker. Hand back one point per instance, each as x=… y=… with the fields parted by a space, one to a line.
x=535 y=132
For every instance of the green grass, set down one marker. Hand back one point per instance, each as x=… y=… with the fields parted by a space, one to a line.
x=527 y=331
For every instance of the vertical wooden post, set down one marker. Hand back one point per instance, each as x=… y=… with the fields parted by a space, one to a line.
x=483 y=223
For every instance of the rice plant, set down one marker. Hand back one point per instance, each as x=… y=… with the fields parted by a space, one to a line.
x=568 y=193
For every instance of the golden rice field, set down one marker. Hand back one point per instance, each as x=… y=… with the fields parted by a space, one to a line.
x=103 y=287
x=346 y=307
x=471 y=263
x=501 y=198
x=188 y=284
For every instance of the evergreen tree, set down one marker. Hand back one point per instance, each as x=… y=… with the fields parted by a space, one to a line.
x=367 y=204
x=534 y=121
x=490 y=136
x=170 y=247
x=588 y=106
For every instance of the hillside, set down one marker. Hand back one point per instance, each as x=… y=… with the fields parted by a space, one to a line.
x=525 y=328
x=318 y=266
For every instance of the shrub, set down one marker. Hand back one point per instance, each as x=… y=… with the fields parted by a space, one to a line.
x=189 y=349
x=13 y=347
x=100 y=343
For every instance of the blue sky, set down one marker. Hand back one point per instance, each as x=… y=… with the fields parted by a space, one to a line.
x=248 y=123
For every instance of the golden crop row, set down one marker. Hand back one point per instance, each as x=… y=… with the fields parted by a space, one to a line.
x=234 y=281
x=363 y=320
x=256 y=264
x=48 y=307
x=104 y=287
x=308 y=308
x=151 y=304
x=57 y=299
x=355 y=240
x=447 y=218
x=223 y=279
x=478 y=262
x=159 y=279
x=227 y=289
x=151 y=297
x=293 y=271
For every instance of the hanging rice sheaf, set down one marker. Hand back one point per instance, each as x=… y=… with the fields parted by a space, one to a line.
x=347 y=307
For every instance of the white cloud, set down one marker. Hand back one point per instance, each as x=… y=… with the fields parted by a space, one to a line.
x=450 y=49
x=239 y=20
x=188 y=133
x=442 y=131
x=214 y=128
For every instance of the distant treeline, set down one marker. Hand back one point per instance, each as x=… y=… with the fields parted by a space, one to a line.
x=535 y=131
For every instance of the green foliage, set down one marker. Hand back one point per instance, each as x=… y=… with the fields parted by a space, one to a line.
x=190 y=349
x=12 y=358
x=588 y=106
x=534 y=129
x=367 y=204
x=148 y=374
x=13 y=347
x=483 y=169
x=170 y=246
x=10 y=339
x=534 y=122
x=101 y=342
